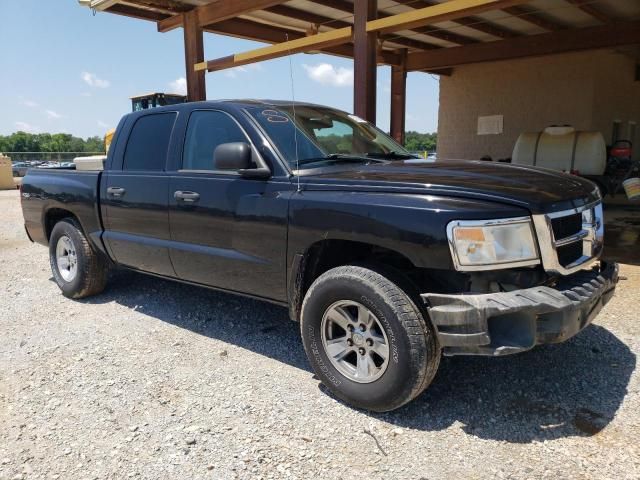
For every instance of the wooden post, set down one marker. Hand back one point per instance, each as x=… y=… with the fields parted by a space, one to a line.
x=399 y=99
x=364 y=60
x=193 y=53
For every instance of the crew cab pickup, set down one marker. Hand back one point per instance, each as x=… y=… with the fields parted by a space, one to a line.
x=387 y=261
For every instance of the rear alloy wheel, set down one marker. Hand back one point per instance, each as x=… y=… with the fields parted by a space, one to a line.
x=366 y=339
x=66 y=259
x=78 y=270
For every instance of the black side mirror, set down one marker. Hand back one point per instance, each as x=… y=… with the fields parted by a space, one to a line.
x=232 y=156
x=238 y=156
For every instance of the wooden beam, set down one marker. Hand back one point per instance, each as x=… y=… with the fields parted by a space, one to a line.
x=170 y=23
x=365 y=40
x=193 y=54
x=261 y=32
x=443 y=72
x=364 y=59
x=595 y=12
x=528 y=15
x=251 y=30
x=475 y=23
x=304 y=44
x=136 y=13
x=316 y=19
x=481 y=25
x=441 y=12
x=436 y=33
x=306 y=16
x=220 y=11
x=399 y=100
x=165 y=6
x=563 y=41
x=101 y=5
x=225 y=9
x=446 y=35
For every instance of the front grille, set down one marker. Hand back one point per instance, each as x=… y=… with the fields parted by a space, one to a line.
x=567 y=254
x=570 y=240
x=567 y=226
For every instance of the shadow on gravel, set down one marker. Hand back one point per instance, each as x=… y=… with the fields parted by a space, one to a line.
x=570 y=389
x=553 y=391
x=258 y=326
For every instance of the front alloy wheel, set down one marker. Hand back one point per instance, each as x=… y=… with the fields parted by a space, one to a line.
x=355 y=341
x=366 y=339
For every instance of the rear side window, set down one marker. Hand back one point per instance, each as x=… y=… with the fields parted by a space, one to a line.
x=149 y=141
x=206 y=130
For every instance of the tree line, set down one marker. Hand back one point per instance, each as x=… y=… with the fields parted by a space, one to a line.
x=420 y=142
x=49 y=142
x=64 y=142
x=414 y=142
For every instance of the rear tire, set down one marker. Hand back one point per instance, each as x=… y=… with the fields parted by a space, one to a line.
x=348 y=354
x=77 y=269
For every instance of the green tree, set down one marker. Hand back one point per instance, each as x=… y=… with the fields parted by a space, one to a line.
x=94 y=144
x=47 y=142
x=420 y=142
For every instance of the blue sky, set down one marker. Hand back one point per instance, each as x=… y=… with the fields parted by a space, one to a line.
x=64 y=70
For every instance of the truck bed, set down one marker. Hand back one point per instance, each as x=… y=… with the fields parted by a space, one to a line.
x=46 y=194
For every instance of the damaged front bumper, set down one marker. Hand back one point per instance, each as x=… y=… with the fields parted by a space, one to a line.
x=510 y=322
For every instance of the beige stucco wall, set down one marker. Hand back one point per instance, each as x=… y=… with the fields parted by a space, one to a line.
x=587 y=90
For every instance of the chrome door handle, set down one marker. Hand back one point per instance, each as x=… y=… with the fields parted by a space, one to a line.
x=188 y=197
x=116 y=191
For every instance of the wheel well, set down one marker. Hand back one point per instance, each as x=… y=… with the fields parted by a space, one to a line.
x=327 y=254
x=53 y=216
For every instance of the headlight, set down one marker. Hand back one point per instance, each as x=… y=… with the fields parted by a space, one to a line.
x=491 y=244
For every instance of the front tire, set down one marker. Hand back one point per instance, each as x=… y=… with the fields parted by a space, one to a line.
x=367 y=340
x=77 y=269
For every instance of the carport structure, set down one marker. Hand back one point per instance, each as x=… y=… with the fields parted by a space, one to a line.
x=434 y=36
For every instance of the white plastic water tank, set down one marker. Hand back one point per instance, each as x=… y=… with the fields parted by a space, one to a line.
x=562 y=148
x=93 y=162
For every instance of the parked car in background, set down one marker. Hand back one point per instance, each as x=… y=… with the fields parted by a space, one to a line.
x=386 y=260
x=19 y=169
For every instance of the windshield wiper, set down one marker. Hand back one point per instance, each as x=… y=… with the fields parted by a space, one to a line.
x=342 y=157
x=390 y=155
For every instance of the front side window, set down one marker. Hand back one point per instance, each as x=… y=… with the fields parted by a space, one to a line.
x=321 y=134
x=205 y=131
x=148 y=142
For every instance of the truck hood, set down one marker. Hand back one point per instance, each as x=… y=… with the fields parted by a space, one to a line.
x=536 y=189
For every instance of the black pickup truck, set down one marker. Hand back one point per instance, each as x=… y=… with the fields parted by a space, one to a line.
x=387 y=261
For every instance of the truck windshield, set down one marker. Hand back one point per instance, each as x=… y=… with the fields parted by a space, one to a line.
x=324 y=135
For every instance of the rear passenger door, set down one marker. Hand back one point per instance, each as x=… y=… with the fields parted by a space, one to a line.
x=135 y=199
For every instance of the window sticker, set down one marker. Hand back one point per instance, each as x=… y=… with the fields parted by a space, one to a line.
x=273 y=116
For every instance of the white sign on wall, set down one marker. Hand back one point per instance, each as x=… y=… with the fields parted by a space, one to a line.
x=490 y=125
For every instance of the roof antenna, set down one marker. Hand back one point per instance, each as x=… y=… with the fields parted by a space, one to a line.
x=293 y=106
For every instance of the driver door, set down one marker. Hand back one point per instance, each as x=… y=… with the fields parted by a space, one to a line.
x=227 y=231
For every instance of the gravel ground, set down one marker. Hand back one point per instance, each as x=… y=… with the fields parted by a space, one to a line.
x=153 y=379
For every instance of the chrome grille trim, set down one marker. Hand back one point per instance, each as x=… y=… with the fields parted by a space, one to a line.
x=572 y=239
x=591 y=236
